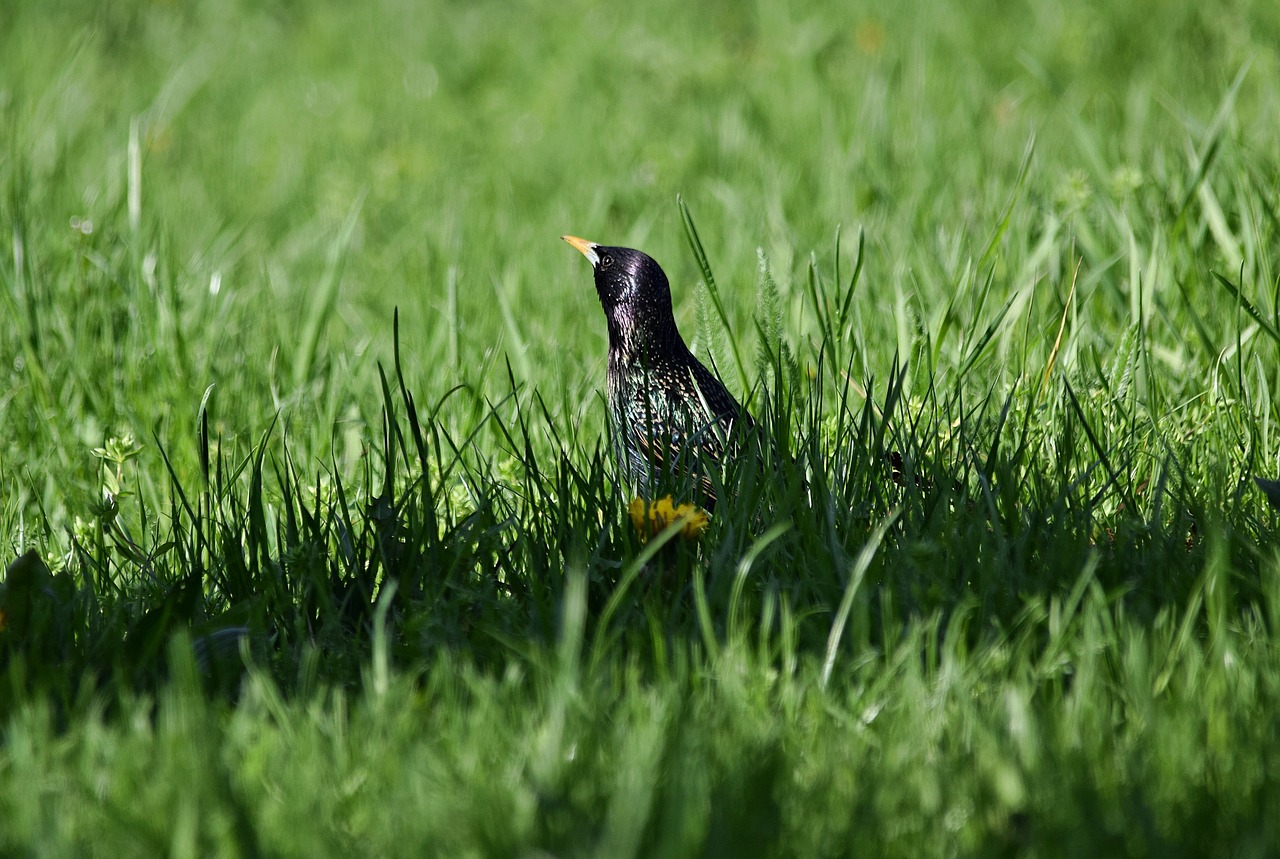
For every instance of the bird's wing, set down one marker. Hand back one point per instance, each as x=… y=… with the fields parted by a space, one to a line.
x=711 y=391
x=684 y=428
x=660 y=429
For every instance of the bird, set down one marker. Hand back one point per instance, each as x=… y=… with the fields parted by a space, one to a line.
x=671 y=418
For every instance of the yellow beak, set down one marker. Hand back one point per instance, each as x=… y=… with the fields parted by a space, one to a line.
x=586 y=248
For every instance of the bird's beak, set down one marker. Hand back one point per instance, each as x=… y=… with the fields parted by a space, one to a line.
x=586 y=248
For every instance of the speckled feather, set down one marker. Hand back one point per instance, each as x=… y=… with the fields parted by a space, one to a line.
x=670 y=415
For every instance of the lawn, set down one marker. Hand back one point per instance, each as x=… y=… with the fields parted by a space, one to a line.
x=314 y=542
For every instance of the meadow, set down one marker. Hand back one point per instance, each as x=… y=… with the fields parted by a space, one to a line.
x=314 y=544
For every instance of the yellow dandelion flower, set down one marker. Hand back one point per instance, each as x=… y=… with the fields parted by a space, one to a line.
x=651 y=518
x=695 y=519
x=637 y=510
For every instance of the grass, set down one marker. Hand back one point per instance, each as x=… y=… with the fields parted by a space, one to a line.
x=315 y=543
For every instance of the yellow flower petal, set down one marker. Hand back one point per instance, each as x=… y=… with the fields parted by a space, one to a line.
x=637 y=513
x=651 y=518
x=695 y=522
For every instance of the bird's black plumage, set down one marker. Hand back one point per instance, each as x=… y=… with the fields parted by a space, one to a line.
x=671 y=417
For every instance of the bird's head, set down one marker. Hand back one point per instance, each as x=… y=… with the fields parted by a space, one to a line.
x=635 y=295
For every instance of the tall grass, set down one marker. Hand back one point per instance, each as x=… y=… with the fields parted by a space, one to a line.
x=316 y=546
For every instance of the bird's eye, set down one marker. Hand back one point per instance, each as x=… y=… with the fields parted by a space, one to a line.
x=606 y=261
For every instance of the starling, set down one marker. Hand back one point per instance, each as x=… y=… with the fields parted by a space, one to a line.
x=671 y=418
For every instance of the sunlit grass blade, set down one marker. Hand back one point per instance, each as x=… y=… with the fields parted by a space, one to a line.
x=323 y=299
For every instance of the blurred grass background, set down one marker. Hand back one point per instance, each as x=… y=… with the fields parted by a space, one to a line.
x=1074 y=654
